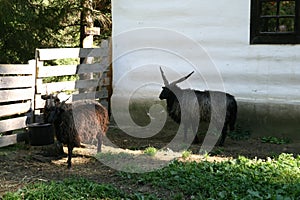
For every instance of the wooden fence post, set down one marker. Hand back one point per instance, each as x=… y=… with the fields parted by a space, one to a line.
x=32 y=64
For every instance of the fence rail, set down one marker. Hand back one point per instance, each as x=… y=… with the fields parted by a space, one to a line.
x=21 y=85
x=16 y=100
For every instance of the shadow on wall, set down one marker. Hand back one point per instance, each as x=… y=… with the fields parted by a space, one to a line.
x=265 y=119
x=261 y=119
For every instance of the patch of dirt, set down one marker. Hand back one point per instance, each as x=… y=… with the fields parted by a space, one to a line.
x=251 y=147
x=24 y=165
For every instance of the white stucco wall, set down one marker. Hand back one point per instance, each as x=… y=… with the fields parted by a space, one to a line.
x=205 y=36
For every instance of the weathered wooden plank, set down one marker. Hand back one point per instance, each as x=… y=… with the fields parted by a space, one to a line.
x=13 y=124
x=40 y=103
x=16 y=81
x=17 y=69
x=57 y=53
x=87 y=83
x=17 y=108
x=93 y=95
x=62 y=70
x=48 y=88
x=7 y=140
x=16 y=94
x=91 y=83
x=106 y=61
x=61 y=53
x=89 y=68
x=94 y=52
x=59 y=70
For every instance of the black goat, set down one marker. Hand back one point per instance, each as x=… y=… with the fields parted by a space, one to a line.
x=80 y=121
x=190 y=106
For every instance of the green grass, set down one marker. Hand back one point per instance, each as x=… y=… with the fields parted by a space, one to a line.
x=242 y=178
x=235 y=179
x=72 y=189
x=274 y=140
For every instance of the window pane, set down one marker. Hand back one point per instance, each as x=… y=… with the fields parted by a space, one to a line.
x=286 y=25
x=268 y=25
x=275 y=22
x=287 y=8
x=269 y=8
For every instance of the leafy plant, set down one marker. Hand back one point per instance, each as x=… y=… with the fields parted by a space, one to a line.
x=241 y=178
x=150 y=151
x=186 y=154
x=275 y=140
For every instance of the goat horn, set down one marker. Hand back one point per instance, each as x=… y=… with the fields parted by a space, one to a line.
x=64 y=102
x=182 y=79
x=66 y=99
x=166 y=82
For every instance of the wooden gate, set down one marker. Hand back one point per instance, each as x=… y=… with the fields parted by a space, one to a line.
x=21 y=86
x=96 y=84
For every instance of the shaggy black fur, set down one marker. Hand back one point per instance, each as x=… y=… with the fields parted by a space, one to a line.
x=181 y=104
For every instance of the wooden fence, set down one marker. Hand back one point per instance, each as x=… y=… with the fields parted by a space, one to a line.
x=16 y=100
x=21 y=86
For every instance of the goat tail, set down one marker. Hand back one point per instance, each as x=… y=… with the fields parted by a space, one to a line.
x=103 y=118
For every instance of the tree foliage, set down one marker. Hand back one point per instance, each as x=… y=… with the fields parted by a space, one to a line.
x=29 y=24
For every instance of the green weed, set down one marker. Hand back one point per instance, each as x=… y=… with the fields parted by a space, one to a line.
x=274 y=140
x=241 y=178
x=186 y=154
x=150 y=151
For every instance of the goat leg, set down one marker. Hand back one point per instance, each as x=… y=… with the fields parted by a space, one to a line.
x=223 y=135
x=196 y=139
x=99 y=143
x=70 y=150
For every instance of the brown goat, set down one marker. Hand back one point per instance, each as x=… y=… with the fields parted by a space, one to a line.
x=80 y=121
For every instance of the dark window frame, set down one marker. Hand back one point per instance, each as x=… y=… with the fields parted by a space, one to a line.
x=259 y=37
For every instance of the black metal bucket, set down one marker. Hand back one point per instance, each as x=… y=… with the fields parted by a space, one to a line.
x=41 y=134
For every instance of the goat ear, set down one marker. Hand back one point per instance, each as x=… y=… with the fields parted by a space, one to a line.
x=166 y=82
x=182 y=79
x=45 y=97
